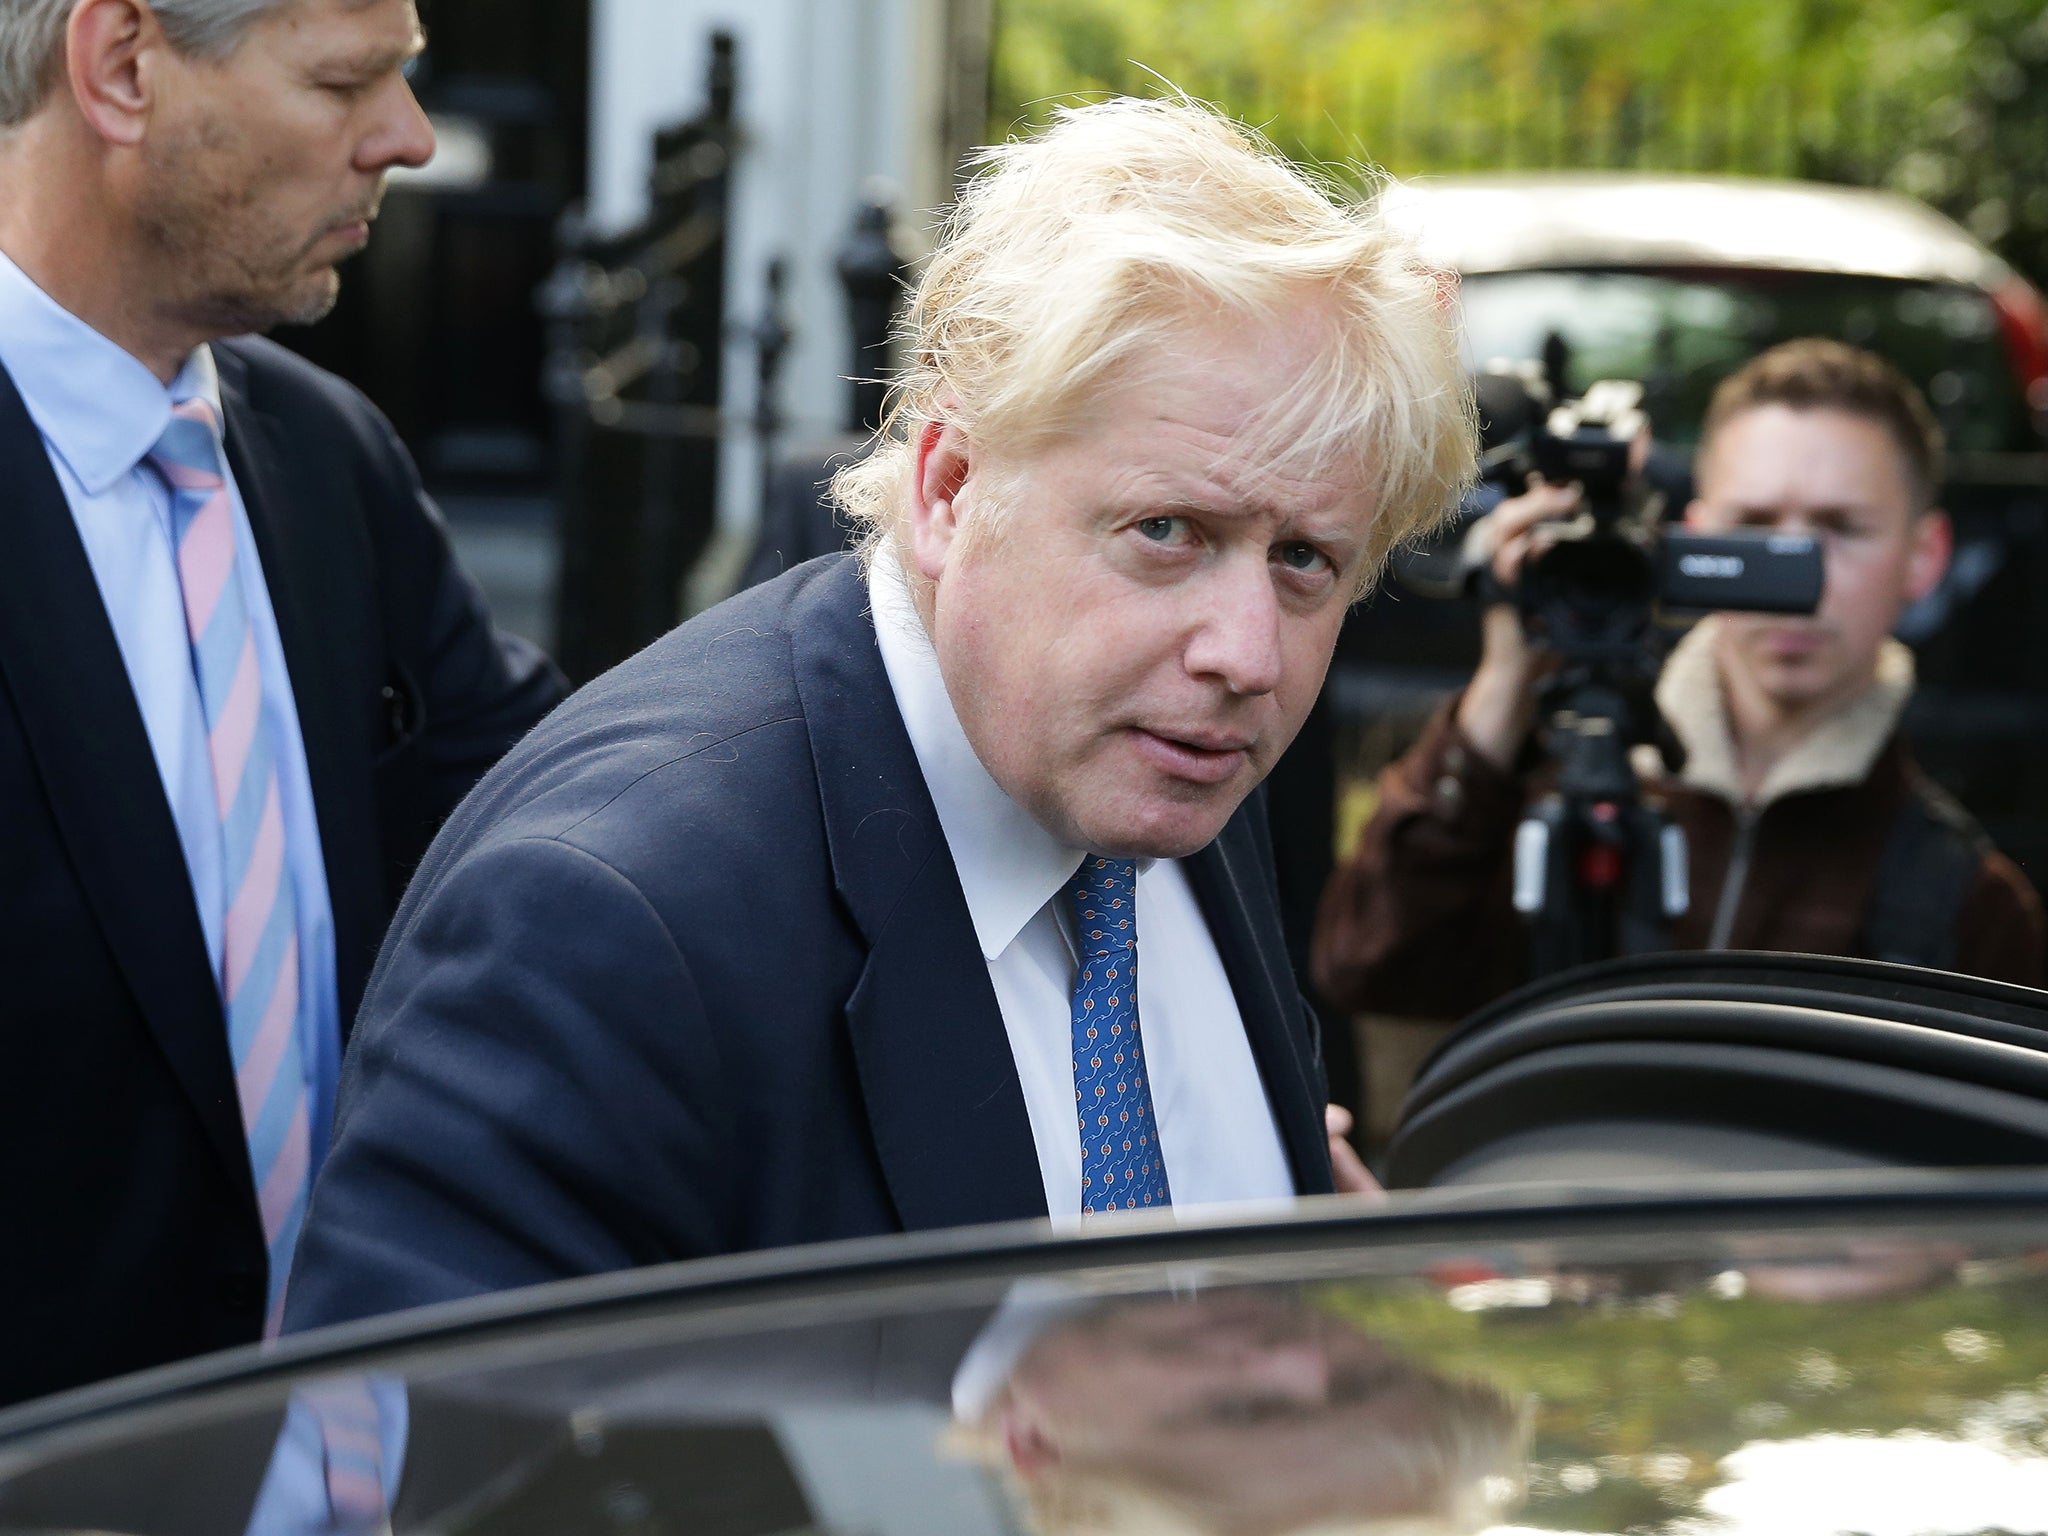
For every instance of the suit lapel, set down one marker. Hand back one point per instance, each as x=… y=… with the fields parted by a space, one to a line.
x=64 y=670
x=1230 y=882
x=307 y=561
x=944 y=1102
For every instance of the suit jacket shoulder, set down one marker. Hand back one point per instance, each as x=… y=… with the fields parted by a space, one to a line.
x=283 y=383
x=637 y=760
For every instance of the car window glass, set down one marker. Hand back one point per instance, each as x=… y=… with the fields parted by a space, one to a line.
x=1681 y=333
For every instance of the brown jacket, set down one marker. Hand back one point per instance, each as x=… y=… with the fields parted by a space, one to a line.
x=1419 y=920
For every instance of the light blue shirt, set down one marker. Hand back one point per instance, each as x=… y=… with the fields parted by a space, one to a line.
x=292 y=1500
x=100 y=411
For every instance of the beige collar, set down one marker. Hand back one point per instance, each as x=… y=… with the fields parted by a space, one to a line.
x=1837 y=754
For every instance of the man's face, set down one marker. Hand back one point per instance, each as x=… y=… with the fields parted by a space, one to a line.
x=262 y=171
x=1116 y=1379
x=1142 y=633
x=1272 y=1416
x=1841 y=478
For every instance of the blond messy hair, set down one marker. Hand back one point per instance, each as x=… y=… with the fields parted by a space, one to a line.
x=1077 y=253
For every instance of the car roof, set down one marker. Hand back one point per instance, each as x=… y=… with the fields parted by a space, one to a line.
x=1645 y=1330
x=1509 y=223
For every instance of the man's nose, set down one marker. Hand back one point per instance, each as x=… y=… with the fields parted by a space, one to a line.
x=1237 y=634
x=403 y=136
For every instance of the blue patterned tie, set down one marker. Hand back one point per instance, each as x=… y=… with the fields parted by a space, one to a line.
x=1121 y=1166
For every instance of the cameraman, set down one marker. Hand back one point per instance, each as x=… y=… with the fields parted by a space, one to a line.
x=1809 y=826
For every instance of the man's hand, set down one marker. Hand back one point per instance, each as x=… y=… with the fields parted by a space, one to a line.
x=1349 y=1170
x=1499 y=707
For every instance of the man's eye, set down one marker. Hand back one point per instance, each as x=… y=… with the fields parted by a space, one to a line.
x=1162 y=530
x=1301 y=557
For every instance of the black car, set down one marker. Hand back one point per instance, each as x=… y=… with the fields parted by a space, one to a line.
x=1854 y=1352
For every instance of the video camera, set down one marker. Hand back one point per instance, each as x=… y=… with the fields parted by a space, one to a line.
x=1599 y=590
x=1597 y=872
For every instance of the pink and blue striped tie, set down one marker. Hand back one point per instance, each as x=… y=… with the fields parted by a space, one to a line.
x=260 y=945
x=352 y=1450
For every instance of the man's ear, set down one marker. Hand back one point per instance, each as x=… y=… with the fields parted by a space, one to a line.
x=111 y=50
x=1934 y=540
x=941 y=468
x=1030 y=1448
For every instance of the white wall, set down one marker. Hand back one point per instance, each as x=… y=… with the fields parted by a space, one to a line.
x=831 y=94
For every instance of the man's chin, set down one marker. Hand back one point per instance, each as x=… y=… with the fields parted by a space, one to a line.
x=1165 y=828
x=1795 y=688
x=307 y=302
x=1789 y=675
x=314 y=301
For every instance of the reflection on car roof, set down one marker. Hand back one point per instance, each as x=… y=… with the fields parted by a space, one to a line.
x=1727 y=1357
x=1508 y=223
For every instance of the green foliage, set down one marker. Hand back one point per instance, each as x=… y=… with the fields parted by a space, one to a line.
x=1947 y=101
x=1637 y=1398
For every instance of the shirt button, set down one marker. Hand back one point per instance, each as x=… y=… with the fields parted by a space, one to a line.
x=1450 y=794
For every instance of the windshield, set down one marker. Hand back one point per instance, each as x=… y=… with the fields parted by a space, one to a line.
x=1681 y=332
x=1882 y=1378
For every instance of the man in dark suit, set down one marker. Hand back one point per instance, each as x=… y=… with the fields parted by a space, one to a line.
x=242 y=680
x=818 y=918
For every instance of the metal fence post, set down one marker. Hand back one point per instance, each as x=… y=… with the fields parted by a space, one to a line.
x=635 y=330
x=873 y=275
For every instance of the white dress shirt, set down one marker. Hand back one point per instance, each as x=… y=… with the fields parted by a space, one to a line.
x=1215 y=1126
x=100 y=411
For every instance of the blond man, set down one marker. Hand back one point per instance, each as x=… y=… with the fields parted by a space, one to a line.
x=1809 y=825
x=1230 y=1413
x=819 y=918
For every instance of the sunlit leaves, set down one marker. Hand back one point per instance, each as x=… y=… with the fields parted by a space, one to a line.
x=1945 y=101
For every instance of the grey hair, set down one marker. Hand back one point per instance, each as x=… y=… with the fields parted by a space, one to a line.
x=32 y=41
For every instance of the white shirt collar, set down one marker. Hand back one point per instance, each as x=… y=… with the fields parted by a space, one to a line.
x=100 y=409
x=1009 y=865
x=1032 y=1308
x=1027 y=1310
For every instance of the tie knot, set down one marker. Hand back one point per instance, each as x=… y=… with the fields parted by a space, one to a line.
x=188 y=452
x=198 y=410
x=1105 y=896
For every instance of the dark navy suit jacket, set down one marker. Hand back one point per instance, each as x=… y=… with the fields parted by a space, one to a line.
x=691 y=973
